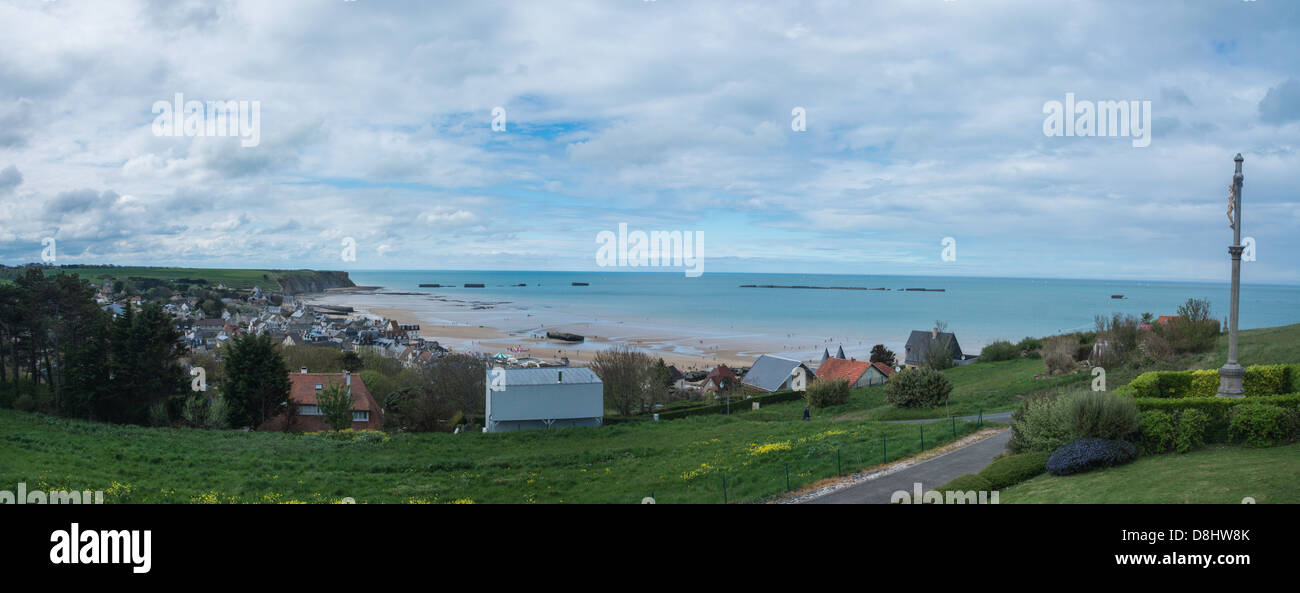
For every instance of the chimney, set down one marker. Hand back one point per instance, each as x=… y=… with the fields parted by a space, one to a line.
x=302 y=371
x=934 y=334
x=347 y=378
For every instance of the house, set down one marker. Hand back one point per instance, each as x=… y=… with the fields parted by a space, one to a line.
x=303 y=389
x=774 y=373
x=719 y=378
x=525 y=399
x=676 y=378
x=858 y=373
x=920 y=341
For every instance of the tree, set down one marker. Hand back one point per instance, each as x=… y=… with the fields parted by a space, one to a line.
x=460 y=380
x=335 y=405
x=351 y=362
x=628 y=377
x=256 y=385
x=879 y=353
x=938 y=355
x=1195 y=310
x=918 y=388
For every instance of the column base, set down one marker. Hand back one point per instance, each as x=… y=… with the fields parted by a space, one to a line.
x=1230 y=381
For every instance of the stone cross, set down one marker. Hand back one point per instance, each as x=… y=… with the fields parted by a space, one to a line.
x=1231 y=374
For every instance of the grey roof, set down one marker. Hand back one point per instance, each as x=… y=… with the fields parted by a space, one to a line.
x=771 y=372
x=840 y=353
x=825 y=354
x=549 y=376
x=919 y=342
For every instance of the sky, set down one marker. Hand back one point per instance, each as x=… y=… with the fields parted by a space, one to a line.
x=922 y=120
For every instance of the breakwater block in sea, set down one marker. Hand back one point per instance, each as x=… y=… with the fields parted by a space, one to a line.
x=430 y=286
x=473 y=286
x=811 y=287
x=565 y=337
x=580 y=284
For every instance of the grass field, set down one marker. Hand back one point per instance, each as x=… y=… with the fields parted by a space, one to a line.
x=682 y=461
x=1219 y=474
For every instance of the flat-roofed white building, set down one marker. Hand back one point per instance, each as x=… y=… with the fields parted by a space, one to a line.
x=524 y=399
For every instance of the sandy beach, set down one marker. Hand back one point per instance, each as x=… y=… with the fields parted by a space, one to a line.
x=486 y=326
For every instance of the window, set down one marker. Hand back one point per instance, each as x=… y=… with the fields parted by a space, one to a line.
x=360 y=416
x=308 y=410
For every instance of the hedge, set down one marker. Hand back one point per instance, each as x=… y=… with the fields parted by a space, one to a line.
x=1014 y=469
x=967 y=483
x=1260 y=380
x=1216 y=409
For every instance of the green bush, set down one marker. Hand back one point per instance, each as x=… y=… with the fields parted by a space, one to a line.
x=1030 y=344
x=1098 y=414
x=918 y=388
x=824 y=394
x=1014 y=469
x=999 y=350
x=1260 y=425
x=1157 y=432
x=1190 y=430
x=1039 y=424
x=1046 y=422
x=967 y=483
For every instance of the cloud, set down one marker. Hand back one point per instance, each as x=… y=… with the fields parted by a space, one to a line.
x=10 y=178
x=15 y=121
x=375 y=123
x=1282 y=103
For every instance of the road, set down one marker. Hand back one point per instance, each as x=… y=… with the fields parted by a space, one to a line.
x=931 y=473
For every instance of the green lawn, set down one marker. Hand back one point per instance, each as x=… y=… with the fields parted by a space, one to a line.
x=1219 y=474
x=682 y=461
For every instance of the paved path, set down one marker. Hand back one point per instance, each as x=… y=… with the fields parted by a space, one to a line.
x=992 y=417
x=931 y=473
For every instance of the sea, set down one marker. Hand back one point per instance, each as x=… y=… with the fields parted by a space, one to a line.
x=977 y=310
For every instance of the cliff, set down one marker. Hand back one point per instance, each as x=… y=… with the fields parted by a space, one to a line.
x=308 y=281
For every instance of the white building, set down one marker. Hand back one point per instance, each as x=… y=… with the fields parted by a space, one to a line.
x=523 y=399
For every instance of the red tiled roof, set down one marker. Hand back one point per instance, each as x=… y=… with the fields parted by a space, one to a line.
x=302 y=389
x=884 y=368
x=721 y=372
x=1166 y=319
x=838 y=368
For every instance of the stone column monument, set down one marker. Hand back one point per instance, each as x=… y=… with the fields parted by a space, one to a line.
x=1230 y=375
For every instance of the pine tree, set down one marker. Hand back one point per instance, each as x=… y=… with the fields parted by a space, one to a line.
x=256 y=384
